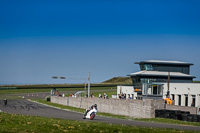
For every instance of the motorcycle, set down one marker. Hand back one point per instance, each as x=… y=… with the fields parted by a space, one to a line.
x=90 y=114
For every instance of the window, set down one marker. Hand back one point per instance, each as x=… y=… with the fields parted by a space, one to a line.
x=148 y=67
x=155 y=89
x=150 y=89
x=193 y=101
x=142 y=67
x=172 y=96
x=179 y=100
x=186 y=100
x=159 y=90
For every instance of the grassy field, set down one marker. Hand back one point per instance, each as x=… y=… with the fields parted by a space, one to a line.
x=33 y=124
x=21 y=91
x=41 y=86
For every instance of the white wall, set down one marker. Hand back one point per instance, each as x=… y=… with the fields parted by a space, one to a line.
x=190 y=89
x=127 y=90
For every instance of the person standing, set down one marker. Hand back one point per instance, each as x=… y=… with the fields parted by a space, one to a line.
x=5 y=102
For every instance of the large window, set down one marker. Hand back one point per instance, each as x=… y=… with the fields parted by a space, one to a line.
x=150 y=80
x=146 y=67
x=150 y=89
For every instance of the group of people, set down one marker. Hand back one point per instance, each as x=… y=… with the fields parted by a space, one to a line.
x=105 y=96
x=122 y=96
x=55 y=92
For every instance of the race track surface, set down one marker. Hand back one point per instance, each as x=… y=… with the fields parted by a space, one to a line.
x=26 y=107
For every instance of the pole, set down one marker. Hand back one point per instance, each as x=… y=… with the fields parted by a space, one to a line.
x=85 y=85
x=89 y=85
x=168 y=83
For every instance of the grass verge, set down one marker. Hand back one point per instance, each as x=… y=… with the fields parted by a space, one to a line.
x=34 y=124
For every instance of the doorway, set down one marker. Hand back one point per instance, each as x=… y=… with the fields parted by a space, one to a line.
x=186 y=100
x=179 y=100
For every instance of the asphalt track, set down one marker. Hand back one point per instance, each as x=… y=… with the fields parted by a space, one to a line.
x=26 y=107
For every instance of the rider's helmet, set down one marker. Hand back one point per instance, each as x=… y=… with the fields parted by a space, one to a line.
x=95 y=105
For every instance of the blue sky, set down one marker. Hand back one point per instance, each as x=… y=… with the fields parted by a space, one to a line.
x=40 y=39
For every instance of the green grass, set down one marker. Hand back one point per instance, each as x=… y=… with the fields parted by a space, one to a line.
x=170 y=121
x=109 y=92
x=97 y=91
x=22 y=91
x=33 y=124
x=119 y=80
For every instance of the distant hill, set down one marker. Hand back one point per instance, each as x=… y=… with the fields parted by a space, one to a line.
x=118 y=80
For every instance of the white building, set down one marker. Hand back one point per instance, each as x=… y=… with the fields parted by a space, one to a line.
x=128 y=90
x=158 y=78
x=183 y=94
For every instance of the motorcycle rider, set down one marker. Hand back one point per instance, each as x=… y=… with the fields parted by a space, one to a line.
x=90 y=108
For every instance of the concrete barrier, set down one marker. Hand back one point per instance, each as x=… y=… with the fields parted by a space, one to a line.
x=134 y=108
x=160 y=104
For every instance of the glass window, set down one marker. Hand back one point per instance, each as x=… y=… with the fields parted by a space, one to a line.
x=193 y=101
x=149 y=89
x=142 y=80
x=186 y=100
x=148 y=67
x=155 y=67
x=155 y=89
x=142 y=67
x=159 y=89
x=173 y=97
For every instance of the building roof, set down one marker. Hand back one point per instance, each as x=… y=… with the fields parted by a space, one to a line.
x=163 y=74
x=163 y=62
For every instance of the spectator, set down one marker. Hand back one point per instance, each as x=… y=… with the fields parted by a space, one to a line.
x=129 y=96
x=124 y=95
x=91 y=95
x=57 y=93
x=119 y=96
x=105 y=96
x=5 y=102
x=192 y=105
x=100 y=96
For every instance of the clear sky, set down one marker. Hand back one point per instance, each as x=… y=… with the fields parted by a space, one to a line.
x=40 y=39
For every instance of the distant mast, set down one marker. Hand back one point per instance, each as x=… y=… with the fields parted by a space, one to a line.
x=89 y=85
